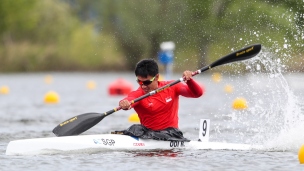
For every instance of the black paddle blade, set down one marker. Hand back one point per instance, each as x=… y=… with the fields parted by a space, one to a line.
x=242 y=54
x=78 y=124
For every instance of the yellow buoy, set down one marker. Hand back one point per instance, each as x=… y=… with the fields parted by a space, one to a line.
x=216 y=77
x=239 y=103
x=48 y=79
x=228 y=88
x=91 y=85
x=134 y=118
x=51 y=97
x=4 y=90
x=301 y=155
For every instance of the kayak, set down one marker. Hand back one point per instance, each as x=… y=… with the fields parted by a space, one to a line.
x=68 y=130
x=101 y=142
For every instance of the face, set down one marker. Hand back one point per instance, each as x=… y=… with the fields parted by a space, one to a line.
x=149 y=83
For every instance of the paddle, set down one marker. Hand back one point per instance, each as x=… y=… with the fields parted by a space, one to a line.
x=79 y=124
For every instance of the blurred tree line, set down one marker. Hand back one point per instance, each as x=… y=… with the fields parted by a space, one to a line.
x=44 y=35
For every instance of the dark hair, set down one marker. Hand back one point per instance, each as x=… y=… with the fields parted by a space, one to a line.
x=146 y=67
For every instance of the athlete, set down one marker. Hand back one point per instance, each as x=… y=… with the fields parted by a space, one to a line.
x=158 y=113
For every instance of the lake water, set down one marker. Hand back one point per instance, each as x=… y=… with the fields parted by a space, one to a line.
x=274 y=119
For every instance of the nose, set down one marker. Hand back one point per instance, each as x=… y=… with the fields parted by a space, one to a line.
x=143 y=86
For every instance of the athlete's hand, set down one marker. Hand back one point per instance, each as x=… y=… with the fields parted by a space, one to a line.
x=187 y=75
x=125 y=104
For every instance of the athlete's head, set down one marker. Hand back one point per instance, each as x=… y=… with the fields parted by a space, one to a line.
x=146 y=72
x=146 y=67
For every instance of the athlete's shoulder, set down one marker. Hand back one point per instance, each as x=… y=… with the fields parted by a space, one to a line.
x=135 y=93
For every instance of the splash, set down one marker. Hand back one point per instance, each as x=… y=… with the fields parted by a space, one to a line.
x=275 y=117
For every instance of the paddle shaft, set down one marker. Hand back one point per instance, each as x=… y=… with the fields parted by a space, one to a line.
x=245 y=53
x=83 y=122
x=150 y=94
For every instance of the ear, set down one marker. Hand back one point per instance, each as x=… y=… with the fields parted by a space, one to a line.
x=157 y=77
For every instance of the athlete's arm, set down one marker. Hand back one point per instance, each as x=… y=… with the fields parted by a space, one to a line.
x=190 y=89
x=125 y=103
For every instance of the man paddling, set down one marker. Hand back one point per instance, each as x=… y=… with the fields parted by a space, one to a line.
x=158 y=113
x=154 y=114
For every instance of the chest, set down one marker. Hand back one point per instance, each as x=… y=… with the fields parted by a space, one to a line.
x=161 y=101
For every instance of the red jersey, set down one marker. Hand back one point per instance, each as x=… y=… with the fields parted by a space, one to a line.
x=160 y=111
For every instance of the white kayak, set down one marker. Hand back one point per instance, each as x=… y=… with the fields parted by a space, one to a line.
x=107 y=142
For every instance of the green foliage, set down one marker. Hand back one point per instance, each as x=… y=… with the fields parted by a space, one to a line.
x=44 y=35
x=112 y=34
x=139 y=28
x=17 y=17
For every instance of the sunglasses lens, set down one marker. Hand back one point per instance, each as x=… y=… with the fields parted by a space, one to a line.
x=146 y=82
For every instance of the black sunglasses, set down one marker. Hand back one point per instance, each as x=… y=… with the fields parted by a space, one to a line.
x=146 y=82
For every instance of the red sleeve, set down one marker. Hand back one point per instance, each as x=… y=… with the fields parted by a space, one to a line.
x=191 y=89
x=133 y=95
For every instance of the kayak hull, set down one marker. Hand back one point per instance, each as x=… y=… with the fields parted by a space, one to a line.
x=107 y=142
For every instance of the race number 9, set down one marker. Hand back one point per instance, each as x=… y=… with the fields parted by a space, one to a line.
x=204 y=129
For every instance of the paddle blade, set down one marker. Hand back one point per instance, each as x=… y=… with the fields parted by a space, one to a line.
x=78 y=124
x=242 y=54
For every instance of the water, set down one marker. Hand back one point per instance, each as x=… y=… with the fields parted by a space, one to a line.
x=273 y=119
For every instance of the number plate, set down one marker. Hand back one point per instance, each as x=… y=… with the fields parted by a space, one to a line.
x=204 y=130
